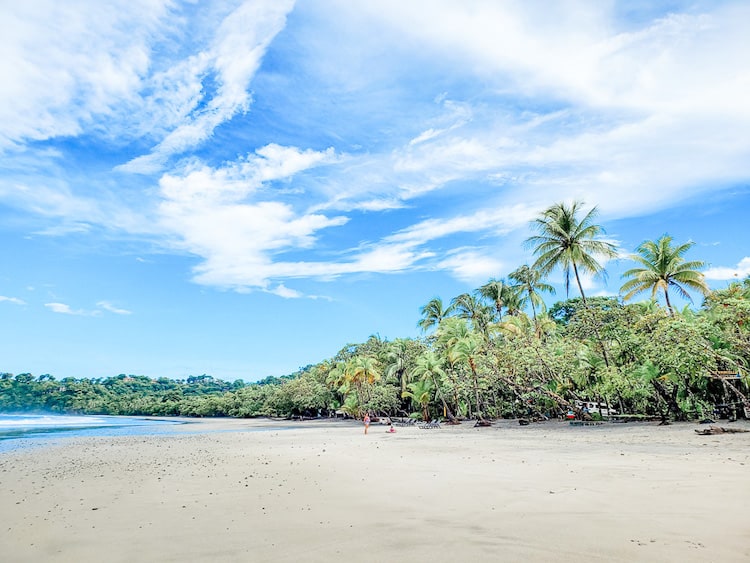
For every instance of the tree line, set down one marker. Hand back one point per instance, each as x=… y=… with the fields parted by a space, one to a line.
x=494 y=352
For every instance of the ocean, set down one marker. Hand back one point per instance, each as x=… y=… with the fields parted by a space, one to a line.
x=27 y=430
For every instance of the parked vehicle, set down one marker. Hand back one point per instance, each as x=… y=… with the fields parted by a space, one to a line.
x=592 y=407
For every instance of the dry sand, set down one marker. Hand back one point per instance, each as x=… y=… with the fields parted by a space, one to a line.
x=323 y=491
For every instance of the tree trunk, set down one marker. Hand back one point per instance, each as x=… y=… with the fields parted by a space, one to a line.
x=669 y=305
x=580 y=287
x=448 y=412
x=669 y=400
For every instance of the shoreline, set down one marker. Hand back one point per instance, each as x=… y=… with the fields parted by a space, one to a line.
x=214 y=491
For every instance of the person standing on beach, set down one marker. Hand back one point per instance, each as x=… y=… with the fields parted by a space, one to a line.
x=367 y=422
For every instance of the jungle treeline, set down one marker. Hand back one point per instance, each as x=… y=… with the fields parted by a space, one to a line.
x=496 y=352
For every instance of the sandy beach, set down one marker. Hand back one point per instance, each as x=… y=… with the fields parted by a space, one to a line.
x=243 y=490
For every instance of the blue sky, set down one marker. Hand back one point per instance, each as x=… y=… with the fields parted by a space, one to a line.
x=242 y=188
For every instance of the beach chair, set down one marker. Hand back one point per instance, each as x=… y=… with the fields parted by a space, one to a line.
x=405 y=422
x=432 y=424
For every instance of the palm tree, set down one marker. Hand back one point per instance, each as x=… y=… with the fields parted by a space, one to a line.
x=421 y=393
x=398 y=361
x=514 y=301
x=364 y=373
x=351 y=406
x=498 y=292
x=467 y=306
x=663 y=266
x=451 y=331
x=461 y=344
x=429 y=367
x=530 y=286
x=338 y=378
x=468 y=349
x=433 y=313
x=567 y=242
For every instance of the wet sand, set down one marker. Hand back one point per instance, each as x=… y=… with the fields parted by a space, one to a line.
x=323 y=491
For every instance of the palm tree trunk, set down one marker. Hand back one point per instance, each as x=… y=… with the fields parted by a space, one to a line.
x=669 y=305
x=578 y=281
x=442 y=399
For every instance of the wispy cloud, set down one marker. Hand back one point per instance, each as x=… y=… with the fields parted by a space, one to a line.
x=14 y=300
x=364 y=157
x=282 y=291
x=107 y=306
x=472 y=265
x=254 y=228
x=63 y=81
x=64 y=309
x=230 y=63
x=641 y=113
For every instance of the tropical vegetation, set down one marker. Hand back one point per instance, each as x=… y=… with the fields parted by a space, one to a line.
x=495 y=352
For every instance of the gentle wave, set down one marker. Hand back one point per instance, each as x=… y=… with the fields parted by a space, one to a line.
x=16 y=421
x=21 y=430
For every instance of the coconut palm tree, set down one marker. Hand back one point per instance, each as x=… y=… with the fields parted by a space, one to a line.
x=514 y=301
x=397 y=359
x=365 y=372
x=451 y=331
x=663 y=267
x=497 y=291
x=338 y=377
x=421 y=393
x=467 y=306
x=468 y=349
x=569 y=243
x=433 y=313
x=530 y=285
x=429 y=367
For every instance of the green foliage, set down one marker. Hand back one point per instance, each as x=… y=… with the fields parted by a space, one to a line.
x=661 y=267
x=485 y=357
x=567 y=242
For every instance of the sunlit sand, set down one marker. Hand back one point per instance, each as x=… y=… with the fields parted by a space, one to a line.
x=323 y=491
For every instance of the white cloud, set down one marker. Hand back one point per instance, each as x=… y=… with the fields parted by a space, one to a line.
x=107 y=306
x=64 y=309
x=652 y=113
x=79 y=67
x=458 y=114
x=588 y=282
x=14 y=300
x=472 y=266
x=232 y=60
x=69 y=212
x=221 y=215
x=543 y=105
x=71 y=62
x=497 y=220
x=282 y=291
x=581 y=52
x=740 y=271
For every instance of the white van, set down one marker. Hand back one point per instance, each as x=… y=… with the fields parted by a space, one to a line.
x=593 y=407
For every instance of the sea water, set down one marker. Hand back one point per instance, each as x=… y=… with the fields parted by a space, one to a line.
x=23 y=430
